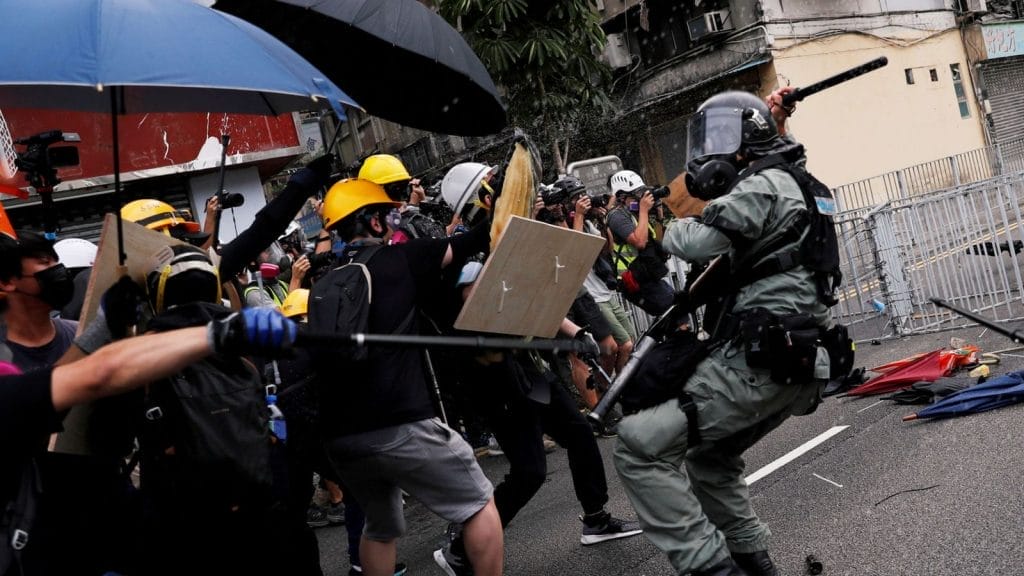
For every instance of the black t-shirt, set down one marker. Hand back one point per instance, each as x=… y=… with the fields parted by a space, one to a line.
x=26 y=414
x=390 y=388
x=31 y=358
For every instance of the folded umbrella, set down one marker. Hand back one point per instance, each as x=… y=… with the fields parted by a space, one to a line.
x=931 y=392
x=995 y=393
x=926 y=368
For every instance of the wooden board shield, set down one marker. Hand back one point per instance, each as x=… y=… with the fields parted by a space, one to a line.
x=528 y=284
x=140 y=244
x=679 y=200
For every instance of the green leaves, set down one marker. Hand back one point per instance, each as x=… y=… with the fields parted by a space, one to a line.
x=543 y=54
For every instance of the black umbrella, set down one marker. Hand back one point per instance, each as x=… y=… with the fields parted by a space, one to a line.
x=931 y=392
x=400 y=60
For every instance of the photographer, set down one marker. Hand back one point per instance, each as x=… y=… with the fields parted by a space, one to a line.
x=389 y=172
x=638 y=254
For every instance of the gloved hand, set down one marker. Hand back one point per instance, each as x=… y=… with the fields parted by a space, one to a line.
x=590 y=351
x=122 y=306
x=257 y=331
x=315 y=174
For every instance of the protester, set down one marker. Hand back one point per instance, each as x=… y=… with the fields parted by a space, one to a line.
x=31 y=404
x=389 y=172
x=381 y=430
x=685 y=477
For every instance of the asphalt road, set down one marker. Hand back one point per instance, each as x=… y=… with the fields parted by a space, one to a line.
x=878 y=497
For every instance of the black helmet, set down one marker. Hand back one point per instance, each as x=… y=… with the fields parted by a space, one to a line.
x=724 y=126
x=570 y=185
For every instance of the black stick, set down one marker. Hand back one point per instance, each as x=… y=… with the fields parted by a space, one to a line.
x=1014 y=335
x=643 y=345
x=115 y=109
x=224 y=140
x=801 y=93
x=317 y=339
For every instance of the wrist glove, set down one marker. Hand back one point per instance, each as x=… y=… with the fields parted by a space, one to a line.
x=255 y=331
x=122 y=304
x=590 y=349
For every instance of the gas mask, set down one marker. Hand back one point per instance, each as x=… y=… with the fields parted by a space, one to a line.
x=710 y=178
x=56 y=286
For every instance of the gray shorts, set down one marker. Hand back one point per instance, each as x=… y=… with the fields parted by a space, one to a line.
x=426 y=459
x=622 y=327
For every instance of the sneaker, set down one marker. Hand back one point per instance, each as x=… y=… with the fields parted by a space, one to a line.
x=493 y=448
x=607 y=527
x=400 y=570
x=452 y=564
x=316 y=517
x=549 y=445
x=336 y=513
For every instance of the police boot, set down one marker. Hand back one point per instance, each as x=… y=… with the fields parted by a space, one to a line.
x=756 y=563
x=726 y=567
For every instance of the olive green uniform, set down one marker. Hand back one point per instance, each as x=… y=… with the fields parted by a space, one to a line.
x=692 y=501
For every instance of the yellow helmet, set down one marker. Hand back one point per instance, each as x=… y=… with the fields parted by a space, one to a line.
x=349 y=195
x=383 y=169
x=296 y=304
x=157 y=215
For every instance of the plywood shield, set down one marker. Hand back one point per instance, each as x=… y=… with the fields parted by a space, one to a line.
x=679 y=200
x=140 y=244
x=528 y=284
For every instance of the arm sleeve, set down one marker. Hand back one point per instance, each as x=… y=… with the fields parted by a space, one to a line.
x=96 y=334
x=270 y=222
x=690 y=240
x=621 y=225
x=26 y=405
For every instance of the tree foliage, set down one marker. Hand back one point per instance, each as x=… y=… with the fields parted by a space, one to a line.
x=544 y=56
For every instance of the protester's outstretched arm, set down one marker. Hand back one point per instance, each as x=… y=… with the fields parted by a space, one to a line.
x=127 y=364
x=130 y=363
x=272 y=220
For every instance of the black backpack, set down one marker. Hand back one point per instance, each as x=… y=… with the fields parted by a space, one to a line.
x=205 y=443
x=419 y=225
x=339 y=303
x=19 y=516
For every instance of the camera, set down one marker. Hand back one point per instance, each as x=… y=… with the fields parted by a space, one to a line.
x=660 y=192
x=599 y=201
x=231 y=200
x=40 y=161
x=320 y=260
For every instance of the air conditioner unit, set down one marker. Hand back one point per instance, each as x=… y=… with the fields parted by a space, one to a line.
x=709 y=23
x=616 y=54
x=976 y=6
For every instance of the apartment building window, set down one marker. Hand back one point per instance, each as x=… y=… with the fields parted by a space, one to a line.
x=958 y=89
x=1018 y=9
x=934 y=74
x=909 y=72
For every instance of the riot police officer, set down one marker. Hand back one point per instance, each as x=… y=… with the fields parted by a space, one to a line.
x=686 y=484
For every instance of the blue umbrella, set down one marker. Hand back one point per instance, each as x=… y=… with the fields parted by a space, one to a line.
x=994 y=393
x=127 y=56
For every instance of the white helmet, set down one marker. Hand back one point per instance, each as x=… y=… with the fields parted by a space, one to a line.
x=625 y=181
x=461 y=184
x=76 y=252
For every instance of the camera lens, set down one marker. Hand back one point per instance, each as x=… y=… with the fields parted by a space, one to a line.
x=660 y=192
x=232 y=200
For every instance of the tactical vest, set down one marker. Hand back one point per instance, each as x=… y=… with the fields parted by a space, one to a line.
x=625 y=252
x=276 y=289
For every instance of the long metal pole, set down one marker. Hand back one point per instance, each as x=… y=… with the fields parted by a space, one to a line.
x=306 y=339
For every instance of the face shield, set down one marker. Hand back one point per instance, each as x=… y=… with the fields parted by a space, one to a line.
x=714 y=132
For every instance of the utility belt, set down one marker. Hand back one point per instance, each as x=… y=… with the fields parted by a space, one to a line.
x=790 y=347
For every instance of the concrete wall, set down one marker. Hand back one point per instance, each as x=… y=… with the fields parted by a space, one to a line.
x=878 y=123
x=892 y=19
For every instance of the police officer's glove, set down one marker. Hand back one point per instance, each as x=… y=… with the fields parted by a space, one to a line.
x=315 y=174
x=588 y=350
x=253 y=331
x=122 y=305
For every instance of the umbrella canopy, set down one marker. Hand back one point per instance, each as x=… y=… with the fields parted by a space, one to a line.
x=166 y=56
x=398 y=58
x=931 y=392
x=920 y=368
x=995 y=393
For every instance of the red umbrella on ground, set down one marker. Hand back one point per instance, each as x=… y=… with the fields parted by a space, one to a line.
x=928 y=368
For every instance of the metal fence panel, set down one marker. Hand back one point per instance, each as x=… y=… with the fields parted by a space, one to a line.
x=961 y=244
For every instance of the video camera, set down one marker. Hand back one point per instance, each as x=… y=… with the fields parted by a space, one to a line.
x=40 y=162
x=231 y=200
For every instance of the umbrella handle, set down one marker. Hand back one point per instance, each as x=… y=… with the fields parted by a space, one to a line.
x=910 y=417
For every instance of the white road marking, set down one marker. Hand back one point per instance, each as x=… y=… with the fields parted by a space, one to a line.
x=872 y=406
x=794 y=454
x=836 y=484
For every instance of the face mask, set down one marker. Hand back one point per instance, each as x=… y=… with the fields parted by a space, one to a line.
x=56 y=286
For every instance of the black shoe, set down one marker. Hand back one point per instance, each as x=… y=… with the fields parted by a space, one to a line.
x=606 y=527
x=756 y=563
x=726 y=567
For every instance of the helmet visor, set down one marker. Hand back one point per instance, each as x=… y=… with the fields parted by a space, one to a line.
x=713 y=132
